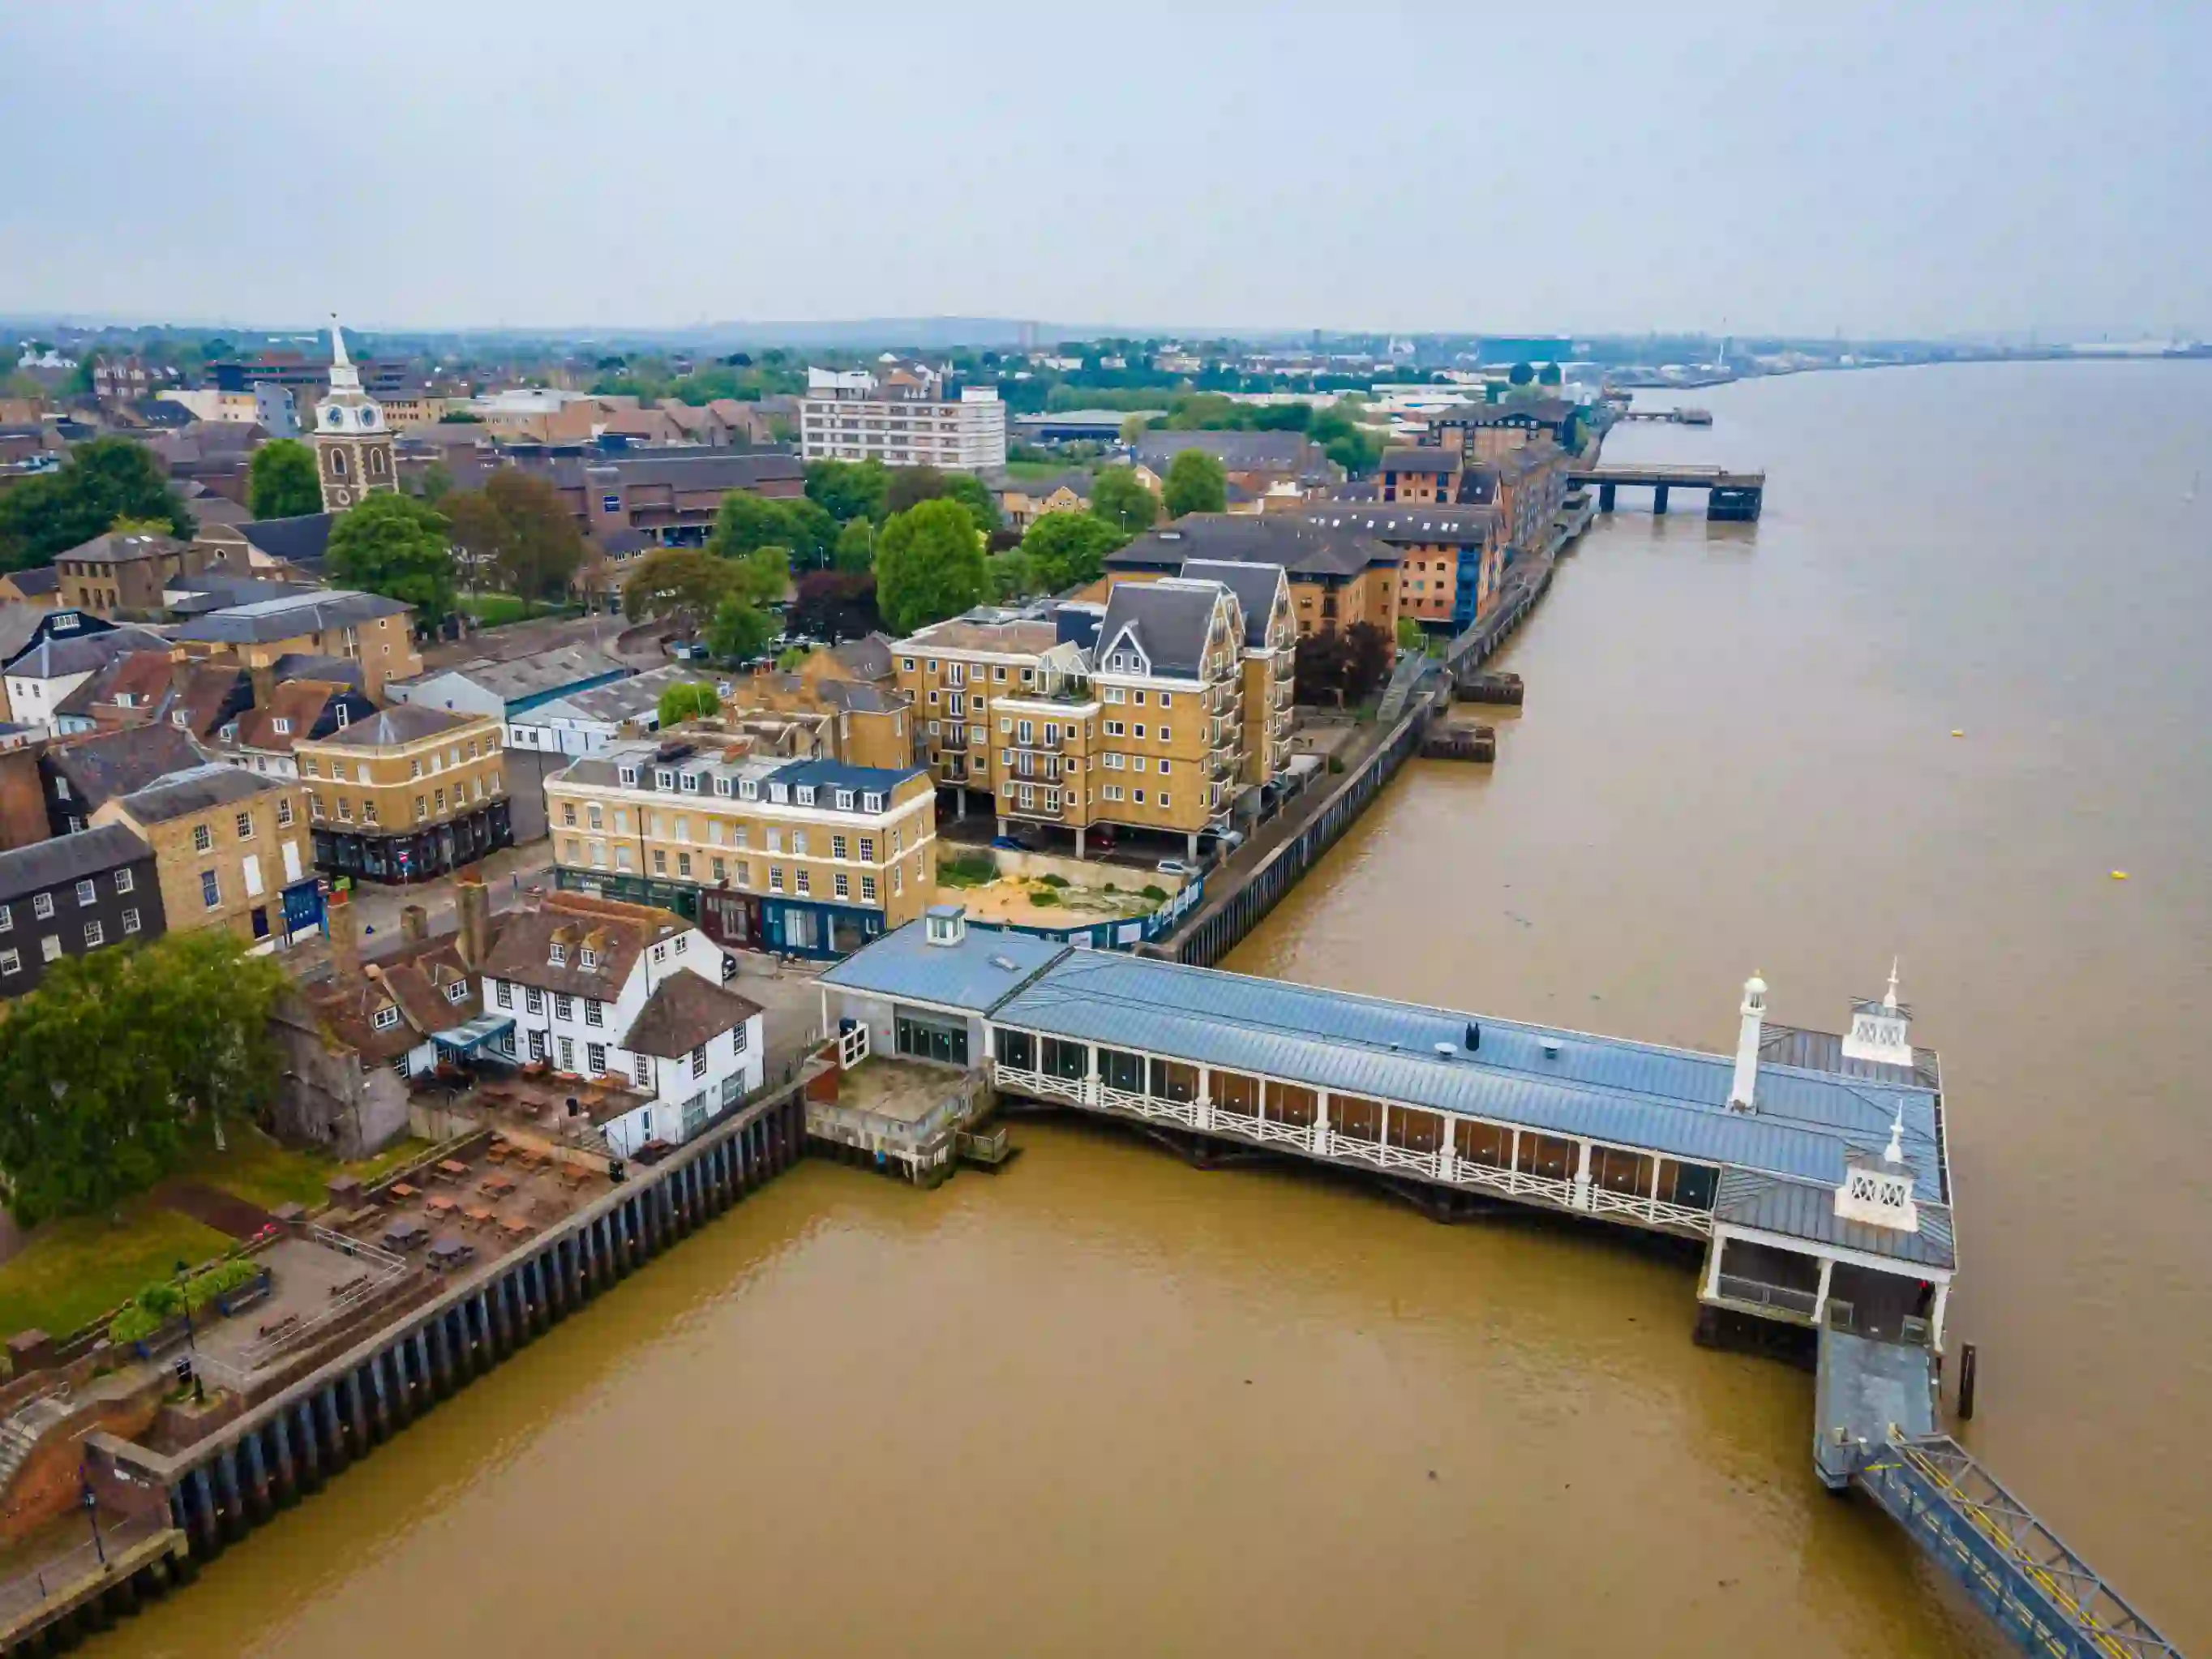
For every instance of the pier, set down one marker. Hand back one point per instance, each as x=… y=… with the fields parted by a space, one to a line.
x=1730 y=496
x=1669 y=416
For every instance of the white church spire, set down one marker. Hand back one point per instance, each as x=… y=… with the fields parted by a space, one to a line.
x=344 y=377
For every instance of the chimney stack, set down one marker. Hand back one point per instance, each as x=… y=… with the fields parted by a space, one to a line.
x=263 y=676
x=345 y=936
x=1743 y=1087
x=472 y=901
x=415 y=924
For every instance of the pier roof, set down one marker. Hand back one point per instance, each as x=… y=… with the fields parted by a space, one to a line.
x=1799 y=1209
x=974 y=975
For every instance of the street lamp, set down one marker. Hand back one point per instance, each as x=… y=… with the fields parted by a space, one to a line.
x=91 y=1515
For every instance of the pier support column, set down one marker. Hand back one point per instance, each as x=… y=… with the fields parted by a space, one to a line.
x=287 y=1468
x=233 y=1493
x=1943 y=1303
x=199 y=1507
x=256 y=1477
x=1605 y=498
x=1659 y=501
x=1447 y=1153
x=309 y=1450
x=1820 y=1296
x=338 y=1453
x=1582 y=1176
x=1320 y=1123
x=426 y=1370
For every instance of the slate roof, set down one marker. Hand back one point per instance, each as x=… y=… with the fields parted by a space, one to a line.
x=1419 y=524
x=687 y=470
x=1254 y=585
x=309 y=612
x=81 y=653
x=1288 y=539
x=306 y=666
x=302 y=541
x=1237 y=451
x=826 y=777
x=867 y=659
x=974 y=976
x=41 y=579
x=616 y=934
x=1167 y=619
x=102 y=767
x=114 y=548
x=211 y=783
x=404 y=722
x=66 y=860
x=1799 y=1209
x=862 y=697
x=1425 y=458
x=298 y=703
x=686 y=1011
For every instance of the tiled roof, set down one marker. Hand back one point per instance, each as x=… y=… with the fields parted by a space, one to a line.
x=289 y=618
x=404 y=722
x=211 y=783
x=686 y=1011
x=616 y=934
x=99 y=769
x=1256 y=586
x=1422 y=458
x=416 y=979
x=1288 y=539
x=68 y=859
x=1167 y=620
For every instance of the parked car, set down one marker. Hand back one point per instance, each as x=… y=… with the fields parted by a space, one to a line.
x=1176 y=867
x=1011 y=844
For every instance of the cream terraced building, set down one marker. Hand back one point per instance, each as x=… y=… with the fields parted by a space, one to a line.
x=814 y=857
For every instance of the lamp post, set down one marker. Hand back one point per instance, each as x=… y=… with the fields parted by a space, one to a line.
x=91 y=1515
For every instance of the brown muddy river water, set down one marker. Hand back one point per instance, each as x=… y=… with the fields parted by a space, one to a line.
x=1105 y=1404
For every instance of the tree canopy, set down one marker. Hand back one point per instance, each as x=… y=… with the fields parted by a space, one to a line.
x=1065 y=550
x=519 y=527
x=910 y=486
x=833 y=605
x=847 y=490
x=395 y=545
x=102 y=480
x=1340 y=667
x=107 y=1066
x=281 y=481
x=1118 y=497
x=1521 y=374
x=856 y=548
x=1196 y=482
x=745 y=521
x=687 y=582
x=689 y=700
x=1344 y=441
x=929 y=565
x=739 y=629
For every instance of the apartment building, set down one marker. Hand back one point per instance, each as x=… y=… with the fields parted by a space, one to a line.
x=1450 y=558
x=951 y=671
x=229 y=851
x=376 y=632
x=905 y=416
x=73 y=894
x=1269 y=660
x=125 y=573
x=1484 y=431
x=1339 y=576
x=814 y=857
x=406 y=795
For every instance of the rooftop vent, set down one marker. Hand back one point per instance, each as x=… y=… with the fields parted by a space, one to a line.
x=1006 y=965
x=1447 y=1051
x=1473 y=1036
x=1551 y=1047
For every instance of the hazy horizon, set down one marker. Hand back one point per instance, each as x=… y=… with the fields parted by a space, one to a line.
x=1969 y=171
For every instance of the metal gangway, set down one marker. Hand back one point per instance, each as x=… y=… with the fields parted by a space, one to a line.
x=2042 y=1594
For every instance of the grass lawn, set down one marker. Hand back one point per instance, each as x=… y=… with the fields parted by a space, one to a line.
x=497 y=609
x=77 y=1268
x=260 y=1171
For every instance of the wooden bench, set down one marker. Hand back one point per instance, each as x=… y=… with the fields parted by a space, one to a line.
x=347 y=1287
x=280 y=1326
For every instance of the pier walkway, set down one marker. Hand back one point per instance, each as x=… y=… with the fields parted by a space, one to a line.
x=1729 y=496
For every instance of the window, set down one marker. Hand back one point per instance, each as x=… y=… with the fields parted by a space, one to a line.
x=569 y=814
x=94 y=936
x=867 y=849
x=659 y=953
x=420 y=812
x=533 y=1000
x=907 y=664
x=202 y=838
x=345 y=809
x=659 y=862
x=1137 y=731
x=665 y=778
x=88 y=890
x=7 y=920
x=211 y=890
x=283 y=811
x=385 y=1017
x=803 y=879
x=502 y=994
x=130 y=921
x=458 y=992
x=738 y=1040
x=558 y=954
x=1137 y=796
x=641 y=1069
x=1167 y=700
x=245 y=826
x=564 y=1007
x=895 y=848
x=799 y=842
x=683 y=863
x=49 y=947
x=721 y=786
x=1112 y=694
x=438 y=796
x=699 y=1061
x=537 y=1045
x=594 y=1013
x=630 y=775
x=805 y=793
x=61 y=789
x=872 y=801
x=610 y=503
x=595 y=1058
x=1163 y=800
x=868 y=889
x=567 y=1054
x=1136 y=763
x=1115 y=729
x=368 y=811
x=1166 y=736
x=1111 y=792
x=775 y=879
x=11 y=963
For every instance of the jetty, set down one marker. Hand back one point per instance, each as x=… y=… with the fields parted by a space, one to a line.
x=1730 y=496
x=1668 y=416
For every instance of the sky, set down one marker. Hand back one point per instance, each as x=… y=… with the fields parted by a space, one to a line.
x=1930 y=170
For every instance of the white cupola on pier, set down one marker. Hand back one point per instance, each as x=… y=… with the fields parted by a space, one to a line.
x=1880 y=1030
x=1879 y=1190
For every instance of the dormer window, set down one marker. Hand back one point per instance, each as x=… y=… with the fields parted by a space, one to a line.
x=458 y=991
x=871 y=802
x=721 y=786
x=229 y=732
x=806 y=795
x=630 y=774
x=177 y=719
x=345 y=716
x=748 y=789
x=385 y=1017
x=844 y=801
x=663 y=778
x=587 y=957
x=558 y=955
x=127 y=700
x=690 y=783
x=778 y=793
x=282 y=727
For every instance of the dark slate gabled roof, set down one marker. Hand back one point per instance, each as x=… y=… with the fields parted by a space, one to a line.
x=302 y=540
x=1288 y=539
x=289 y=618
x=1169 y=620
x=82 y=654
x=1425 y=458
x=1256 y=586
x=213 y=783
x=866 y=658
x=1418 y=525
x=99 y=769
x=686 y=1011
x=826 y=777
x=1238 y=452
x=404 y=722
x=44 y=579
x=695 y=469
x=68 y=859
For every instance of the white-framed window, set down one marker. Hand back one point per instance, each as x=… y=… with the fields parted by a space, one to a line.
x=211 y=890
x=1115 y=729
x=11 y=963
x=721 y=786
x=130 y=921
x=1167 y=700
x=699 y=1061
x=630 y=775
x=594 y=1014
x=88 y=892
x=458 y=992
x=537 y=1045
x=564 y=1007
x=568 y=1054
x=202 y=838
x=641 y=1069
x=245 y=826
x=595 y=1058
x=556 y=955
x=385 y=1017
x=868 y=889
x=94 y=936
x=841 y=886
x=1137 y=796
x=49 y=947
x=502 y=994
x=533 y=1000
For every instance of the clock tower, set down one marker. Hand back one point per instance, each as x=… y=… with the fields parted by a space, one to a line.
x=353 y=445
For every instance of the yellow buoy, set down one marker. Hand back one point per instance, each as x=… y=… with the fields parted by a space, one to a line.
x=2120 y=875
x=1958 y=732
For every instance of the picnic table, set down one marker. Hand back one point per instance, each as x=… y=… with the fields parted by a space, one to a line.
x=450 y=1252
x=403 y=1192
x=452 y=1166
x=478 y=1215
x=441 y=1205
x=497 y=1151
x=515 y=1227
x=404 y=1235
x=498 y=1186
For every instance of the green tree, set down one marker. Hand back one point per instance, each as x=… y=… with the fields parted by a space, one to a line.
x=1521 y=374
x=929 y=565
x=686 y=582
x=1117 y=497
x=107 y=1065
x=395 y=545
x=1410 y=636
x=975 y=496
x=740 y=631
x=1132 y=429
x=1013 y=575
x=1196 y=482
x=848 y=490
x=1066 y=550
x=762 y=575
x=910 y=486
x=856 y=548
x=811 y=534
x=437 y=483
x=519 y=527
x=745 y=521
x=1344 y=441
x=282 y=481
x=104 y=480
x=689 y=700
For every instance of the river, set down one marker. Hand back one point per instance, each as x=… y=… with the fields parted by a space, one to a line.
x=1103 y=1403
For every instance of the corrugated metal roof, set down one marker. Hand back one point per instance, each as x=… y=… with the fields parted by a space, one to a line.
x=1799 y=1210
x=967 y=975
x=1673 y=1101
